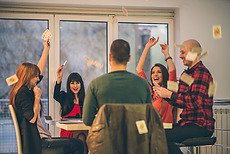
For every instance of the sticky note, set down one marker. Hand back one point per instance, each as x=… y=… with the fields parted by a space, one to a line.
x=12 y=80
x=212 y=89
x=187 y=78
x=216 y=31
x=180 y=45
x=141 y=127
x=172 y=85
x=204 y=54
x=46 y=35
x=124 y=10
x=191 y=56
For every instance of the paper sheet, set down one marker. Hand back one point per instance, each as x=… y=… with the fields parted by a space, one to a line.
x=172 y=85
x=46 y=35
x=212 y=89
x=187 y=79
x=191 y=56
x=141 y=127
x=12 y=80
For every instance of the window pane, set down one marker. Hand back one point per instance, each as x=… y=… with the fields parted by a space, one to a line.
x=20 y=41
x=138 y=34
x=83 y=45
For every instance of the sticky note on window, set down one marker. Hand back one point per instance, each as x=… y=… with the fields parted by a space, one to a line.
x=172 y=85
x=216 y=30
x=141 y=127
x=187 y=79
x=212 y=89
x=12 y=80
x=191 y=56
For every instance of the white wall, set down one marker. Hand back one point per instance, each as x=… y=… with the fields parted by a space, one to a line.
x=194 y=19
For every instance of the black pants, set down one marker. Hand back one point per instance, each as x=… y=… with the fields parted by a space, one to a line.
x=180 y=133
x=62 y=145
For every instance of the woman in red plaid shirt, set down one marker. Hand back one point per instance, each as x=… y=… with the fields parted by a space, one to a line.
x=197 y=115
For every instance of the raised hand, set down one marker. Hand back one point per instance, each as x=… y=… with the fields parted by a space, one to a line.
x=152 y=42
x=164 y=49
x=59 y=74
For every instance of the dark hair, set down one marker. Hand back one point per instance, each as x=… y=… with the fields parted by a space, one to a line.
x=165 y=74
x=81 y=94
x=120 y=51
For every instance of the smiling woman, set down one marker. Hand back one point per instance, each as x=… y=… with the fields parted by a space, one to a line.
x=159 y=75
x=71 y=101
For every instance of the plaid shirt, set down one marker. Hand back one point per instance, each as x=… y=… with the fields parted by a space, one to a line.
x=194 y=99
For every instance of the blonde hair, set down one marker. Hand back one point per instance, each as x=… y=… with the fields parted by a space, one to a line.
x=25 y=72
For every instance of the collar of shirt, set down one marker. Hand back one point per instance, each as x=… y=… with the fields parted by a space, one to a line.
x=191 y=70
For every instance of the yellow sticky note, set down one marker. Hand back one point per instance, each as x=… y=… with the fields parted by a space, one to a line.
x=180 y=45
x=204 y=54
x=187 y=78
x=212 y=89
x=216 y=30
x=141 y=127
x=172 y=85
x=124 y=10
x=12 y=80
x=191 y=56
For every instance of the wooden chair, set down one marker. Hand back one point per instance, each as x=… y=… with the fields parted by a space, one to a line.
x=18 y=135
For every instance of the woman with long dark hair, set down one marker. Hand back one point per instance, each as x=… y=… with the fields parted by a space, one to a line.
x=71 y=101
x=159 y=76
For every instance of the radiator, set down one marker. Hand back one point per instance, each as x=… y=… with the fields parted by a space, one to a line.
x=222 y=117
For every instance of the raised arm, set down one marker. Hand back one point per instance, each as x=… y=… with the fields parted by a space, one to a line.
x=141 y=63
x=42 y=62
x=37 y=94
x=170 y=63
x=59 y=74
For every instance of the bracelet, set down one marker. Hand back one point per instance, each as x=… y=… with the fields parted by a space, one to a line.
x=168 y=58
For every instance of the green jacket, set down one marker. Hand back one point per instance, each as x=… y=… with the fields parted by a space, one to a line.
x=114 y=130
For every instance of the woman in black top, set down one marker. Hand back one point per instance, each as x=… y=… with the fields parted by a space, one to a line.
x=25 y=98
x=71 y=102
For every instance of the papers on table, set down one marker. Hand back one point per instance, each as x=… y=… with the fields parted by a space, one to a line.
x=71 y=121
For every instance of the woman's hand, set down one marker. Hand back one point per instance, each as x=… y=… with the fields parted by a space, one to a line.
x=152 y=42
x=164 y=50
x=162 y=92
x=46 y=44
x=37 y=92
x=59 y=74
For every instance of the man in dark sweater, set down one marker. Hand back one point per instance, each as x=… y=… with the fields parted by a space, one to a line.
x=117 y=86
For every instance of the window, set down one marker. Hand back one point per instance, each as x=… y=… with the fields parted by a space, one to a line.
x=81 y=39
x=20 y=41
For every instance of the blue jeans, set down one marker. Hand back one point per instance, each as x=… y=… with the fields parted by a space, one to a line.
x=61 y=145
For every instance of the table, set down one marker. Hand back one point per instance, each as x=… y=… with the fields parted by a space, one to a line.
x=68 y=126
x=82 y=126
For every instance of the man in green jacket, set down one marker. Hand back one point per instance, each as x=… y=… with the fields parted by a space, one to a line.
x=118 y=86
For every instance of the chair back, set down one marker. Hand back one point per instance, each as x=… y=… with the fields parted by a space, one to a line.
x=18 y=135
